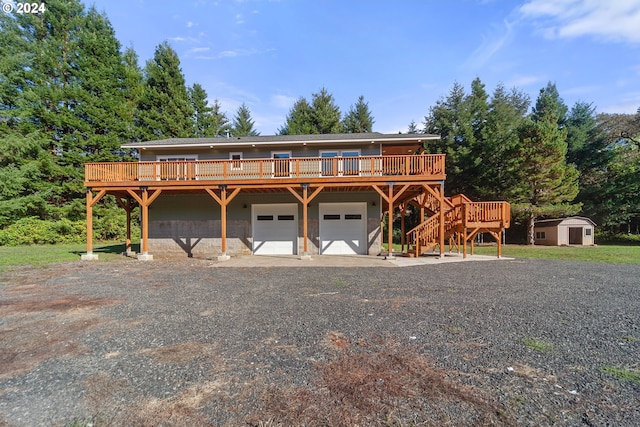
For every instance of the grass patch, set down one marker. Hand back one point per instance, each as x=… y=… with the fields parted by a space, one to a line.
x=41 y=255
x=622 y=374
x=612 y=254
x=538 y=345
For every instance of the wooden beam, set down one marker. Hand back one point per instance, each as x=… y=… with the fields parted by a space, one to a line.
x=382 y=194
x=442 y=199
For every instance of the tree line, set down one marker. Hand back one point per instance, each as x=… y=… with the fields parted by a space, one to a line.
x=70 y=94
x=546 y=159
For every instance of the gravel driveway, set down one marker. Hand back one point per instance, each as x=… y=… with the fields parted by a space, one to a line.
x=522 y=342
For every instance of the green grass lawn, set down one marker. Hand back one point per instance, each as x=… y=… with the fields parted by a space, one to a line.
x=612 y=254
x=39 y=255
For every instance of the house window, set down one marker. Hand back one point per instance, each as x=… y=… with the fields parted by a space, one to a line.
x=541 y=235
x=236 y=161
x=173 y=167
x=587 y=232
x=347 y=164
x=281 y=164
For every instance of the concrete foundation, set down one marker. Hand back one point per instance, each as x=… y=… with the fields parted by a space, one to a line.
x=89 y=257
x=145 y=257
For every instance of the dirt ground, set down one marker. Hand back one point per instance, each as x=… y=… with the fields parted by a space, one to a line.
x=523 y=342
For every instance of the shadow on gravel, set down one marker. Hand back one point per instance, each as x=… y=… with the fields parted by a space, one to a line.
x=110 y=249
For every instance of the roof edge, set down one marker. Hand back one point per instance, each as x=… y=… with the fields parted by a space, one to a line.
x=282 y=140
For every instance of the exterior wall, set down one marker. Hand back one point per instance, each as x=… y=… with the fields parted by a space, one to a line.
x=191 y=224
x=558 y=235
x=256 y=152
x=551 y=236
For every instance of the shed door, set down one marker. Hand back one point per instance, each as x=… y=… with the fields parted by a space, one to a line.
x=575 y=235
x=275 y=229
x=343 y=228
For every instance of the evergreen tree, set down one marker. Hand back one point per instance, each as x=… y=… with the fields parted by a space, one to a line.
x=208 y=121
x=498 y=151
x=546 y=183
x=453 y=119
x=299 y=120
x=242 y=123
x=413 y=128
x=358 y=119
x=164 y=110
x=325 y=113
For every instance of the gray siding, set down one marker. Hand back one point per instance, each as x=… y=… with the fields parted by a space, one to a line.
x=255 y=152
x=190 y=224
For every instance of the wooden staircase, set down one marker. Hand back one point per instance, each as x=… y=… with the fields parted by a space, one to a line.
x=463 y=219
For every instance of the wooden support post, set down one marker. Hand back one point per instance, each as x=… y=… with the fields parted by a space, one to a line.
x=144 y=206
x=305 y=209
x=390 y=223
x=127 y=246
x=223 y=219
x=127 y=205
x=90 y=203
x=144 y=200
x=305 y=199
x=442 y=219
x=499 y=238
x=403 y=210
x=223 y=200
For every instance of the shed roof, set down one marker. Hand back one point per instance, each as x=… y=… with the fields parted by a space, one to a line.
x=557 y=221
x=284 y=140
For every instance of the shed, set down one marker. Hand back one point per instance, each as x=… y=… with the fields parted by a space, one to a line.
x=574 y=230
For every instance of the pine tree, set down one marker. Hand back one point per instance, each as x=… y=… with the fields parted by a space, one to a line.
x=164 y=110
x=358 y=119
x=242 y=123
x=325 y=113
x=413 y=128
x=546 y=183
x=203 y=120
x=453 y=119
x=500 y=146
x=299 y=120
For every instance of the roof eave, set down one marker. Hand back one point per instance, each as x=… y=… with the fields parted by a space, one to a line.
x=227 y=142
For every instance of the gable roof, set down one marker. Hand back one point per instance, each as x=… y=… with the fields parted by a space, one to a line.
x=284 y=140
x=557 y=221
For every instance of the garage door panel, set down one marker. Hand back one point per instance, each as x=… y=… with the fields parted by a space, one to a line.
x=275 y=229
x=343 y=228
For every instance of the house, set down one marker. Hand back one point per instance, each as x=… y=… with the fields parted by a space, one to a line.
x=294 y=194
x=575 y=230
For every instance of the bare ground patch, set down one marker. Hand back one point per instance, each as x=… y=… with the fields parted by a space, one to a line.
x=54 y=320
x=380 y=383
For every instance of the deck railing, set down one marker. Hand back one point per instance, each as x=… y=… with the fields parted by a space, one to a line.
x=462 y=214
x=257 y=169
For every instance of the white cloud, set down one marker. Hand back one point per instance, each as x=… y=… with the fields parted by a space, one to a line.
x=190 y=24
x=491 y=45
x=611 y=20
x=282 y=101
x=183 y=39
x=198 y=50
x=519 y=81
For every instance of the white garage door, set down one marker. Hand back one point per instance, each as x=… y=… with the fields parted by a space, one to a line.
x=275 y=229
x=343 y=228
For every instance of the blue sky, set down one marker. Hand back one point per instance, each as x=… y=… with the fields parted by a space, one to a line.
x=401 y=55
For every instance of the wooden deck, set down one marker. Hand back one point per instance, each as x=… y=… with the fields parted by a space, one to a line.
x=398 y=179
x=267 y=172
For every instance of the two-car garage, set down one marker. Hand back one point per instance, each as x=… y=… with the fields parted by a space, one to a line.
x=342 y=228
